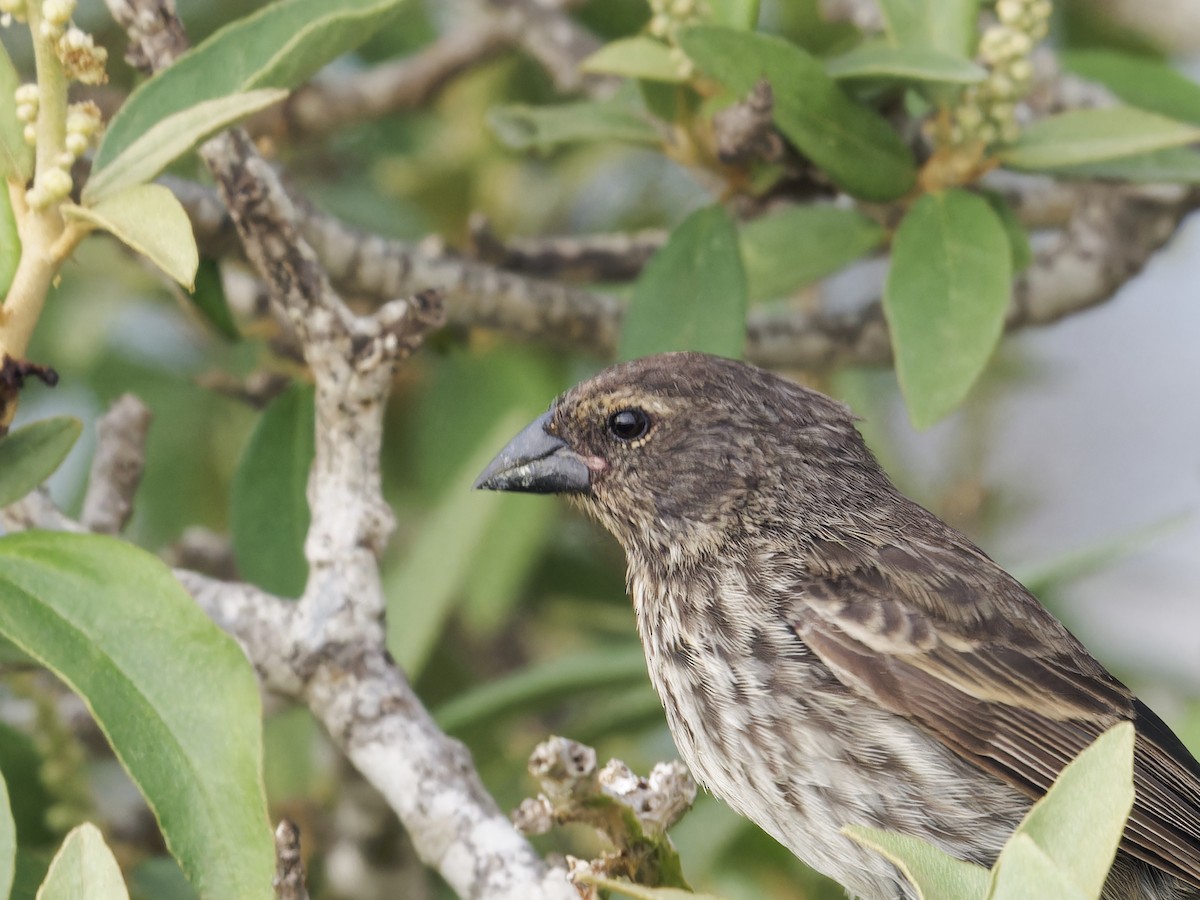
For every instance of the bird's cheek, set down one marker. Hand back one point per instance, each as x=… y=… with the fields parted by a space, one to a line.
x=597 y=464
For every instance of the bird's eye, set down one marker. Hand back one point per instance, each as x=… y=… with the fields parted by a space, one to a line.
x=628 y=424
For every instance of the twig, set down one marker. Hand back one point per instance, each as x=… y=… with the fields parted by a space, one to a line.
x=117 y=465
x=289 y=866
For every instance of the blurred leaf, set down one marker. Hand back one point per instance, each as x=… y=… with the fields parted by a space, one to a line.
x=422 y=589
x=802 y=244
x=1175 y=165
x=10 y=242
x=692 y=293
x=1094 y=135
x=209 y=297
x=28 y=799
x=30 y=455
x=268 y=512
x=150 y=219
x=152 y=151
x=32 y=867
x=161 y=680
x=946 y=25
x=278 y=46
x=856 y=146
x=1018 y=237
x=877 y=59
x=84 y=869
x=524 y=127
x=16 y=156
x=8 y=840
x=640 y=56
x=641 y=892
x=945 y=299
x=159 y=878
x=504 y=560
x=534 y=688
x=935 y=873
x=741 y=14
x=1139 y=80
x=1075 y=828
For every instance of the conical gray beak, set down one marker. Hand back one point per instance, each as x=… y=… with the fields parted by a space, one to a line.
x=536 y=462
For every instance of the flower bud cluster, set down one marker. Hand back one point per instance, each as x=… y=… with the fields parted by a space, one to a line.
x=10 y=10
x=27 y=97
x=667 y=17
x=55 y=16
x=987 y=111
x=82 y=60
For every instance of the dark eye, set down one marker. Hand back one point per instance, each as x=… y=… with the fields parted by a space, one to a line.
x=628 y=424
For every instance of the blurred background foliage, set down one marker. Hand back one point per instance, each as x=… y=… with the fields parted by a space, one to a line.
x=509 y=612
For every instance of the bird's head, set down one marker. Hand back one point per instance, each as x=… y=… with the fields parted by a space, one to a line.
x=671 y=452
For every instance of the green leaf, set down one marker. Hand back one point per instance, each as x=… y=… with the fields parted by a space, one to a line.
x=30 y=455
x=1140 y=81
x=84 y=869
x=877 y=59
x=946 y=25
x=1018 y=237
x=148 y=218
x=173 y=694
x=691 y=294
x=946 y=295
x=535 y=688
x=933 y=872
x=856 y=146
x=269 y=509
x=640 y=56
x=279 y=46
x=740 y=14
x=524 y=127
x=8 y=841
x=10 y=242
x=162 y=143
x=421 y=591
x=1029 y=873
x=16 y=156
x=1175 y=165
x=1078 y=824
x=209 y=297
x=641 y=892
x=1094 y=135
x=787 y=250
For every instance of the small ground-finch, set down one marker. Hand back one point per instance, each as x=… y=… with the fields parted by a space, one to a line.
x=827 y=651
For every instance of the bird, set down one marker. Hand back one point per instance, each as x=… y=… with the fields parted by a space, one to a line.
x=827 y=651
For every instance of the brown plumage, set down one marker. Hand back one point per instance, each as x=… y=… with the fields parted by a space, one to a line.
x=827 y=651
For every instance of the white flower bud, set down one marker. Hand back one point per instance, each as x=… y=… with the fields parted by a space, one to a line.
x=76 y=144
x=56 y=183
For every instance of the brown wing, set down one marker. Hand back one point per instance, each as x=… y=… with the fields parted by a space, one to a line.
x=943 y=636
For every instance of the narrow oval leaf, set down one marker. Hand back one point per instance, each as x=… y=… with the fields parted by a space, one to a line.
x=422 y=590
x=169 y=139
x=148 y=218
x=946 y=25
x=787 y=250
x=279 y=46
x=534 y=688
x=1140 y=81
x=10 y=241
x=1079 y=822
x=1175 y=165
x=8 y=841
x=691 y=294
x=880 y=60
x=946 y=295
x=641 y=892
x=173 y=694
x=933 y=872
x=268 y=513
x=856 y=146
x=16 y=156
x=1094 y=135
x=742 y=14
x=524 y=127
x=30 y=455
x=209 y=297
x=635 y=57
x=84 y=869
